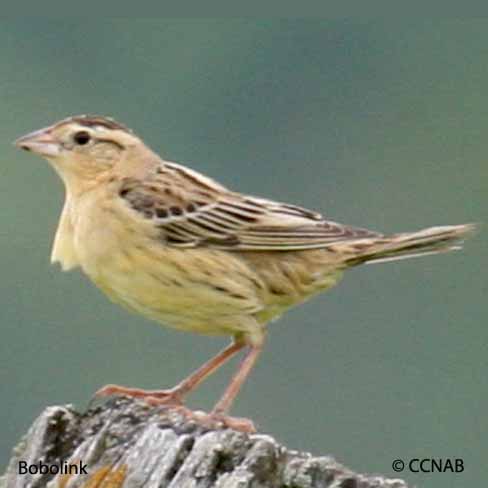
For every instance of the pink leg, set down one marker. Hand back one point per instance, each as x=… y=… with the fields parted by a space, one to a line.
x=175 y=395
x=219 y=412
x=247 y=364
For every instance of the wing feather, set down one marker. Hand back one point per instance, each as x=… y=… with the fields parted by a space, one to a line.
x=191 y=210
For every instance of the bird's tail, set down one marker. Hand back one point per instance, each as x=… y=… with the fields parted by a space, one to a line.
x=433 y=240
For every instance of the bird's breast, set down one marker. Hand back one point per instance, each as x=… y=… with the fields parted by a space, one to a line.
x=202 y=290
x=199 y=289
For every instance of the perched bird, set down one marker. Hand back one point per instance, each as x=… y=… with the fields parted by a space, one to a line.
x=185 y=251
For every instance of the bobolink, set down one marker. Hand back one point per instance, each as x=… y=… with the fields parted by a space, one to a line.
x=183 y=250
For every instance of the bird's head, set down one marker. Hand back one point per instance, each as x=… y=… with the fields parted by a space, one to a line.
x=82 y=147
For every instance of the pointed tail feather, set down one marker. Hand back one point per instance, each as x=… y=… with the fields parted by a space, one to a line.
x=433 y=240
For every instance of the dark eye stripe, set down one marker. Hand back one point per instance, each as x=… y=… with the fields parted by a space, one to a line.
x=110 y=141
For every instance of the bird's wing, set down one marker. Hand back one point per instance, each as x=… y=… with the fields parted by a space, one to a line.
x=192 y=211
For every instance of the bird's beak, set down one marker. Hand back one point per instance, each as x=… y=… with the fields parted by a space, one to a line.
x=40 y=142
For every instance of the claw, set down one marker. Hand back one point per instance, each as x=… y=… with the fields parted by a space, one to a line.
x=172 y=398
x=153 y=397
x=216 y=420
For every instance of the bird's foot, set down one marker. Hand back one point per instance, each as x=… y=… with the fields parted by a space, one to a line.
x=154 y=397
x=215 y=420
x=172 y=398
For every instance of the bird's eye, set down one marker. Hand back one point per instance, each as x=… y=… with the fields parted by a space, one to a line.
x=81 y=138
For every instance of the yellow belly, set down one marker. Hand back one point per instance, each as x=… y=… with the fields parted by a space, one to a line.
x=202 y=290
x=175 y=287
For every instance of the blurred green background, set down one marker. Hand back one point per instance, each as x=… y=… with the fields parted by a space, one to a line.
x=377 y=125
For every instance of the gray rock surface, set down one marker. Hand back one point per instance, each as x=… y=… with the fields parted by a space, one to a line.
x=125 y=443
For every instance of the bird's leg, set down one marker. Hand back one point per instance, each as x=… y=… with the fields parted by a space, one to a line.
x=174 y=396
x=219 y=412
x=248 y=362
